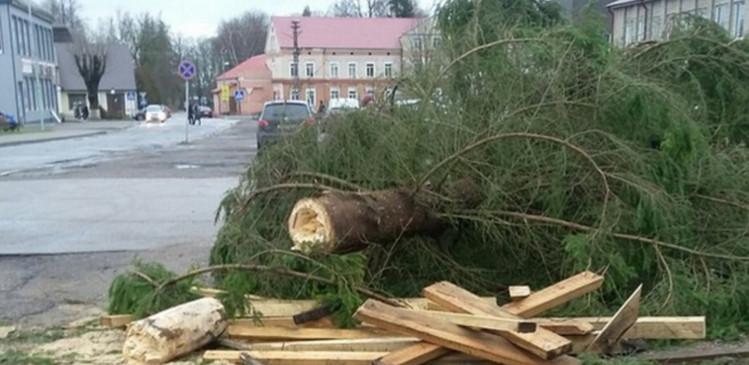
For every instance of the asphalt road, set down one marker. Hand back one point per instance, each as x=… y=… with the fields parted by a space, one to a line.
x=79 y=211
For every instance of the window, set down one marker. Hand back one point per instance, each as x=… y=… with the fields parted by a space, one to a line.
x=738 y=19
x=389 y=70
x=656 y=32
x=370 y=69
x=33 y=87
x=416 y=43
x=334 y=70
x=27 y=96
x=293 y=69
x=294 y=94
x=352 y=70
x=335 y=93
x=21 y=96
x=309 y=69
x=436 y=42
x=310 y=94
x=629 y=32
x=38 y=39
x=27 y=33
x=721 y=15
x=370 y=91
x=17 y=28
x=352 y=93
x=641 y=28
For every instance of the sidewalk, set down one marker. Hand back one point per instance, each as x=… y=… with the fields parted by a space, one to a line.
x=33 y=134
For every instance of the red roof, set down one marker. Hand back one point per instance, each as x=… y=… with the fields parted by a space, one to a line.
x=330 y=32
x=252 y=66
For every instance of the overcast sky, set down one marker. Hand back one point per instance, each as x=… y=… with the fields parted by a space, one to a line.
x=199 y=18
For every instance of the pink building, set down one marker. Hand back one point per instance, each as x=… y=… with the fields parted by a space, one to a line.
x=252 y=76
x=339 y=58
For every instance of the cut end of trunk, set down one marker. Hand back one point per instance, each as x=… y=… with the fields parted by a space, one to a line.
x=310 y=227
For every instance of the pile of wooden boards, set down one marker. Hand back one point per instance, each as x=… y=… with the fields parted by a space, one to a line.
x=449 y=325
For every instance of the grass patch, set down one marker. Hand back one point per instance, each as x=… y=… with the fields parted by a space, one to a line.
x=22 y=358
x=36 y=336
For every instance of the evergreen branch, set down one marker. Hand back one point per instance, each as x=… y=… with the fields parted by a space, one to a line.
x=273 y=269
x=585 y=228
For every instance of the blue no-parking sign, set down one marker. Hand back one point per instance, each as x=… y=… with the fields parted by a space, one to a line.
x=186 y=70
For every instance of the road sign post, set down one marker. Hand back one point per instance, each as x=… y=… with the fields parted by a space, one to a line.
x=238 y=97
x=187 y=71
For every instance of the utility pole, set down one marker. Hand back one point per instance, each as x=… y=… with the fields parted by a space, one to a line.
x=297 y=51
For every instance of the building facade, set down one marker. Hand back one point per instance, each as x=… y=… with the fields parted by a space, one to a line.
x=339 y=57
x=28 y=76
x=253 y=77
x=117 y=89
x=636 y=21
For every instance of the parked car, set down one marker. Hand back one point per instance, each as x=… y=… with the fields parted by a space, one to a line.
x=8 y=122
x=205 y=111
x=157 y=113
x=281 y=118
x=140 y=115
x=340 y=105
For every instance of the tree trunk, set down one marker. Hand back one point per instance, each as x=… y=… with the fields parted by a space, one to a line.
x=339 y=222
x=174 y=332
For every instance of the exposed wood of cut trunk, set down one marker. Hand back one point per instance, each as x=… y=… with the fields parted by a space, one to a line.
x=174 y=332
x=339 y=222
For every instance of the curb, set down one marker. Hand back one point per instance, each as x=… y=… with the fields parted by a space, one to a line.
x=17 y=143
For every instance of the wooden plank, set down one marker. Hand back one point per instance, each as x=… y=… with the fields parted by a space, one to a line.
x=297 y=358
x=479 y=344
x=486 y=322
x=555 y=295
x=652 y=328
x=284 y=333
x=383 y=344
x=701 y=355
x=116 y=320
x=620 y=323
x=542 y=343
x=518 y=292
x=564 y=326
x=416 y=354
x=281 y=322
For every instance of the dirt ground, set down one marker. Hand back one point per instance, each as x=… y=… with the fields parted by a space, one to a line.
x=82 y=342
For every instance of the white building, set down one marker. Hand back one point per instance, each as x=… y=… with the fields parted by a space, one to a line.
x=644 y=20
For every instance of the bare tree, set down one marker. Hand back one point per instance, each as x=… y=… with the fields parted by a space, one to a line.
x=242 y=37
x=65 y=12
x=359 y=9
x=91 y=60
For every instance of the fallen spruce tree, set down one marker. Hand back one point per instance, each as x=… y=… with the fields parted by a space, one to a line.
x=536 y=150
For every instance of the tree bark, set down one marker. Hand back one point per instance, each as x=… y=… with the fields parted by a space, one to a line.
x=174 y=332
x=339 y=222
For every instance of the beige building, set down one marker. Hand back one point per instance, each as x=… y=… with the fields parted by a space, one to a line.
x=339 y=57
x=644 y=20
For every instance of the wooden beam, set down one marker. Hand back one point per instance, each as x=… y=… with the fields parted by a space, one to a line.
x=502 y=324
x=555 y=295
x=518 y=292
x=652 y=328
x=284 y=333
x=116 y=320
x=285 y=321
x=542 y=343
x=415 y=354
x=696 y=355
x=479 y=344
x=382 y=344
x=564 y=326
x=297 y=358
x=620 y=323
